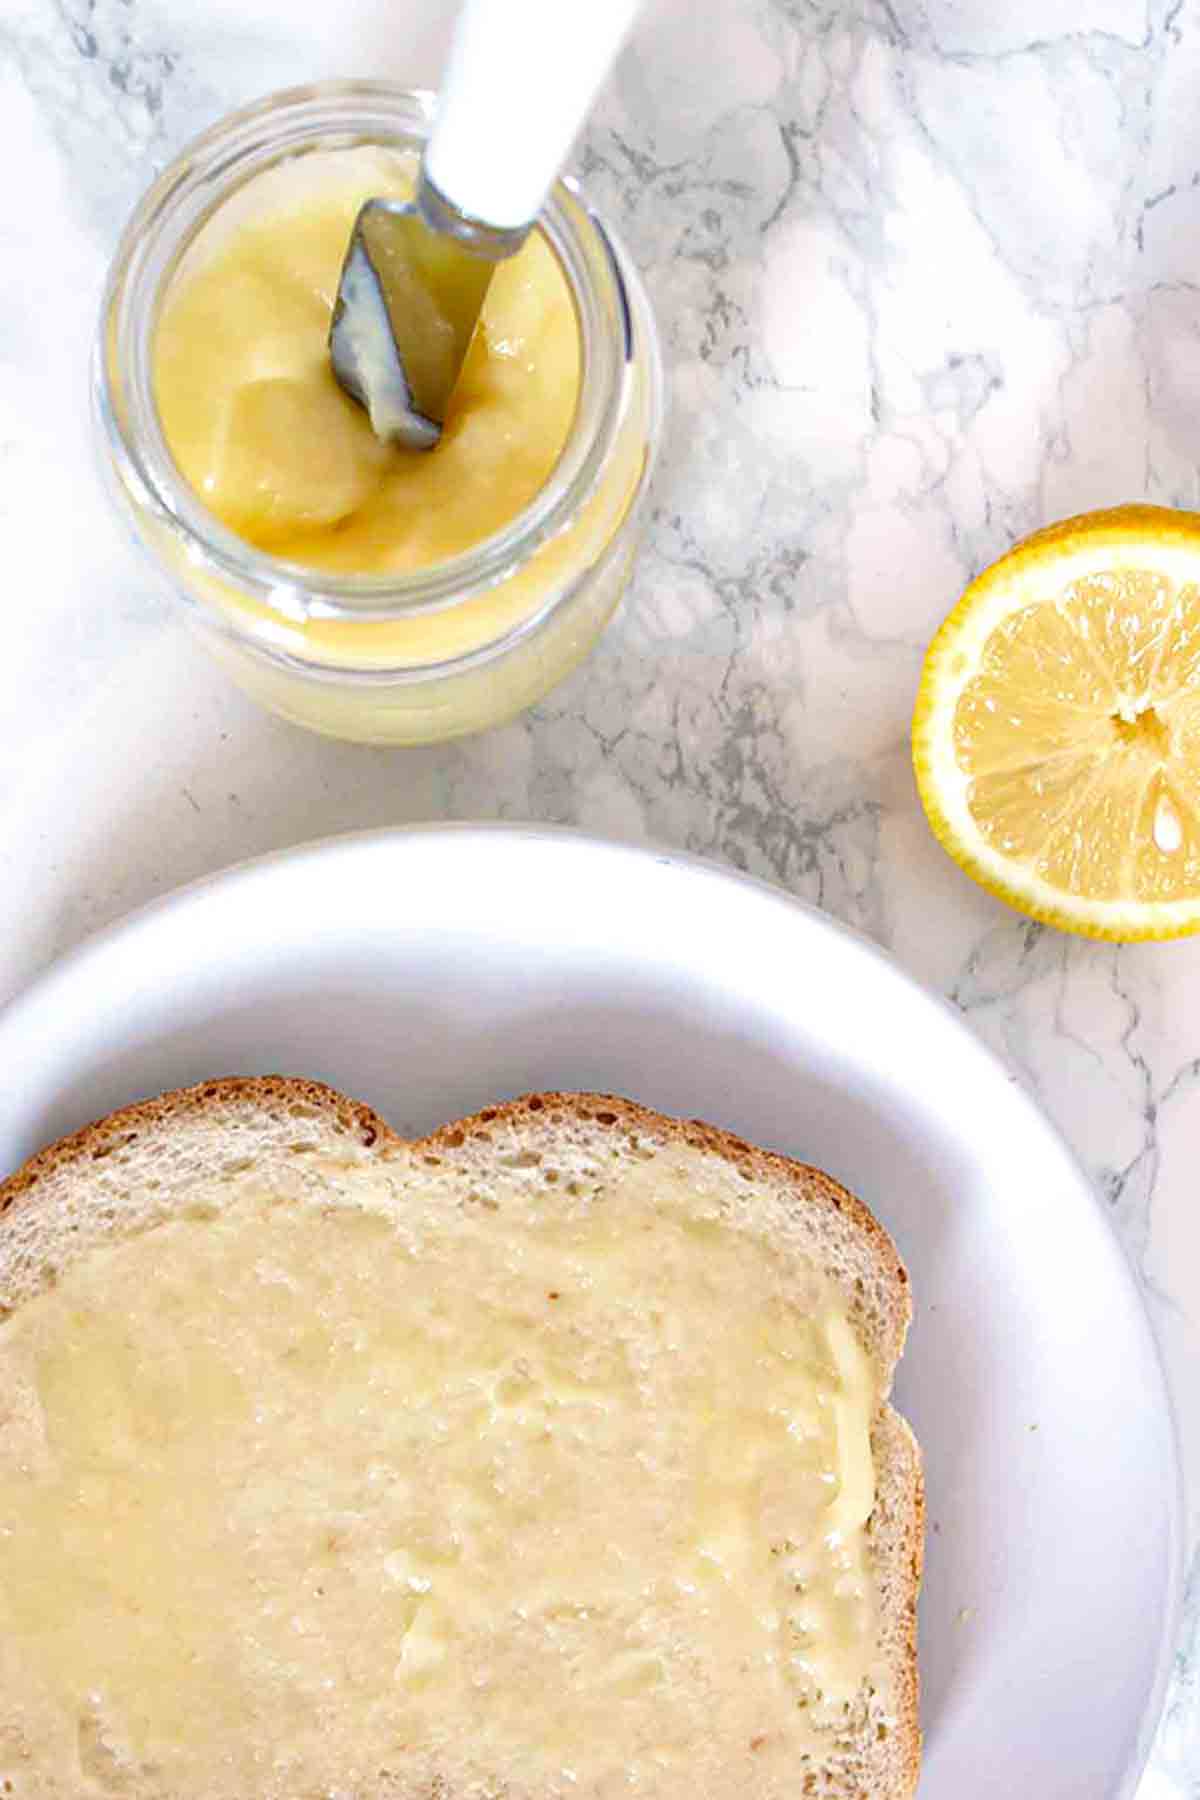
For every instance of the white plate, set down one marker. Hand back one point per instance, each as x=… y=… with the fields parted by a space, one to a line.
x=431 y=971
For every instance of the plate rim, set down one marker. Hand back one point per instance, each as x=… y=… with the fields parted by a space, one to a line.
x=32 y=993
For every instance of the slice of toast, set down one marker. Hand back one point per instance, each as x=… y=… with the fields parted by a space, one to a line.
x=485 y=1467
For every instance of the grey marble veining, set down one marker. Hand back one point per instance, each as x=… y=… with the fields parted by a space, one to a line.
x=928 y=275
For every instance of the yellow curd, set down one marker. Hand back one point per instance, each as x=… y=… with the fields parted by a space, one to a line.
x=264 y=434
x=303 y=1491
x=260 y=429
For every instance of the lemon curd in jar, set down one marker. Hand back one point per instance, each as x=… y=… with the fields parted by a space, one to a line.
x=261 y=429
x=365 y=590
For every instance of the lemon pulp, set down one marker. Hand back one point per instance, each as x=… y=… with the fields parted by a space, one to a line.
x=1057 y=732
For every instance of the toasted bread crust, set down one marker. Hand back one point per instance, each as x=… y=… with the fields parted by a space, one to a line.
x=255 y=1092
x=906 y=1555
x=896 y=1528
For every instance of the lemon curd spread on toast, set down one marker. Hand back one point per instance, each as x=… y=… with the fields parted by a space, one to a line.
x=348 y=1475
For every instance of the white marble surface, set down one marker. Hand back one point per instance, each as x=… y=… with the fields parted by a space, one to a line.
x=928 y=274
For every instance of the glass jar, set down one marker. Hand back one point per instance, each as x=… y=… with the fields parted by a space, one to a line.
x=386 y=659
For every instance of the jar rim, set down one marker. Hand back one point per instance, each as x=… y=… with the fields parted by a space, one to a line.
x=207 y=174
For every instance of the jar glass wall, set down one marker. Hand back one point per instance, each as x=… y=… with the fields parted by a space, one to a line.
x=445 y=649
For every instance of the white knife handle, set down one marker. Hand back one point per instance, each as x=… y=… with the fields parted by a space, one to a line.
x=520 y=79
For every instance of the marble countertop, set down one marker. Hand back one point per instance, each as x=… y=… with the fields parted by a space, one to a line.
x=928 y=275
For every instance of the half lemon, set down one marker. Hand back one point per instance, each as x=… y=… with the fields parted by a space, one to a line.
x=1056 y=738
